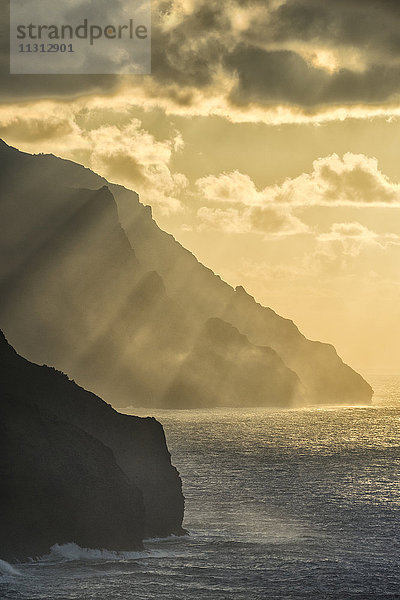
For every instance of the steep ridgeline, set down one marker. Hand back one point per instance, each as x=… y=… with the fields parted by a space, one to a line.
x=72 y=469
x=128 y=318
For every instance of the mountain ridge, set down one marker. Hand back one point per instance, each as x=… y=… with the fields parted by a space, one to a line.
x=187 y=296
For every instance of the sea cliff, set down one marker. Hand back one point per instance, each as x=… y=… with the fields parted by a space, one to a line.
x=72 y=469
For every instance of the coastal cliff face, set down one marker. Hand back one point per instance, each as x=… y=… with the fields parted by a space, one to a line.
x=92 y=286
x=59 y=485
x=72 y=469
x=236 y=371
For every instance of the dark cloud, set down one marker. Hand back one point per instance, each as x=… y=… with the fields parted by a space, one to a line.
x=369 y=25
x=265 y=57
x=188 y=53
x=377 y=84
x=269 y=77
x=274 y=76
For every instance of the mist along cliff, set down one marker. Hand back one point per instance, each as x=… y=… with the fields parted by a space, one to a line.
x=91 y=285
x=72 y=469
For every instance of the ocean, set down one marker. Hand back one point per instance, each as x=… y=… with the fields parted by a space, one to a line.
x=288 y=504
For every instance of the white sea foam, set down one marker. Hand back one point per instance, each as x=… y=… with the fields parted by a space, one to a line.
x=7 y=569
x=73 y=552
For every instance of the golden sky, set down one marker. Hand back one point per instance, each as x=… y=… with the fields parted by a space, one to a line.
x=266 y=140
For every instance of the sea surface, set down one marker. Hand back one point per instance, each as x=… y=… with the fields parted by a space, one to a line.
x=284 y=504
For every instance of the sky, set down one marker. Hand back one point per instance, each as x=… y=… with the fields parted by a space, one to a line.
x=266 y=139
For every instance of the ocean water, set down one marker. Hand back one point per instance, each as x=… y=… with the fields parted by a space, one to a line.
x=279 y=504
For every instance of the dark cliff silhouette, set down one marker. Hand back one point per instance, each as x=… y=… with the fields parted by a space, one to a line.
x=91 y=285
x=72 y=469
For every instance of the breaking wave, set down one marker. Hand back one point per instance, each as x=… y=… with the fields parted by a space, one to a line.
x=7 y=569
x=72 y=552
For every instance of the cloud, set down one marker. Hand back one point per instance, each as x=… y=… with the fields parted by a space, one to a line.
x=233 y=188
x=353 y=180
x=372 y=25
x=234 y=204
x=241 y=57
x=188 y=41
x=350 y=250
x=271 y=53
x=36 y=128
x=133 y=157
x=268 y=77
x=351 y=238
x=269 y=221
x=238 y=207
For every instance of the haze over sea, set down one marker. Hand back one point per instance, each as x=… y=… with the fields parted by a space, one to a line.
x=279 y=504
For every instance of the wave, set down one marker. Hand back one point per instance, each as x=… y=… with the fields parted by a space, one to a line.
x=7 y=569
x=72 y=552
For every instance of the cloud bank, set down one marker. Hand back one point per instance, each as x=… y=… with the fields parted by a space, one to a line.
x=305 y=55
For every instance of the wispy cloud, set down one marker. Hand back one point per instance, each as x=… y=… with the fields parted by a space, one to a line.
x=351 y=238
